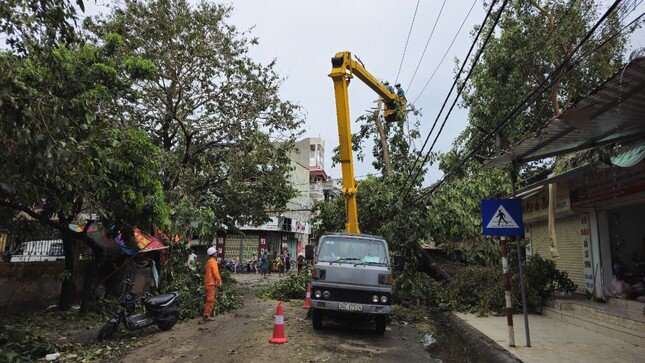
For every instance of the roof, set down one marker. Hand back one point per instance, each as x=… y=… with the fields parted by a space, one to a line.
x=613 y=112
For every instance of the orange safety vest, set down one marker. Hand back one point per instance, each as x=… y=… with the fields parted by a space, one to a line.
x=211 y=275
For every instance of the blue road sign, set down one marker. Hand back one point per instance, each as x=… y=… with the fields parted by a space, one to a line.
x=502 y=217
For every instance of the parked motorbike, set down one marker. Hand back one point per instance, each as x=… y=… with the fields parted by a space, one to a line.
x=161 y=311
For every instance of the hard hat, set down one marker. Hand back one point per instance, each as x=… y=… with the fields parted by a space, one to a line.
x=211 y=251
x=397 y=85
x=386 y=83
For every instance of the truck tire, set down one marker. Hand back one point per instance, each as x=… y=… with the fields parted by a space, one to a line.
x=317 y=318
x=381 y=324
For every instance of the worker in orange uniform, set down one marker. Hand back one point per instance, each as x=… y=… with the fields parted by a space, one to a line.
x=211 y=279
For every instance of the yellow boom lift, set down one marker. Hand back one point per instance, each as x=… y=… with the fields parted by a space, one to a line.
x=343 y=69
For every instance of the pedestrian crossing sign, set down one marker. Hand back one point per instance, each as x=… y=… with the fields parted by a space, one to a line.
x=502 y=217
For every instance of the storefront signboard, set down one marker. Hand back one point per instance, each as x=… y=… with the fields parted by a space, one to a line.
x=585 y=236
x=608 y=183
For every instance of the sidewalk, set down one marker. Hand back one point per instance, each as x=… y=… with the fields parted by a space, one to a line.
x=555 y=341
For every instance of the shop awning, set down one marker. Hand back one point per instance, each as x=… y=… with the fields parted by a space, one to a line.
x=613 y=112
x=144 y=243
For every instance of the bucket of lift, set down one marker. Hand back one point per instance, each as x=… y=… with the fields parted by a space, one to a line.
x=395 y=110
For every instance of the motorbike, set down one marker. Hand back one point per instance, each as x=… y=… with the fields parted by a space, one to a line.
x=160 y=310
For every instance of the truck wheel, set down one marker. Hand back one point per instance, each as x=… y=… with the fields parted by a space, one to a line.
x=317 y=318
x=381 y=323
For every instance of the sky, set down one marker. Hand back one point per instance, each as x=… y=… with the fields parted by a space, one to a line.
x=302 y=36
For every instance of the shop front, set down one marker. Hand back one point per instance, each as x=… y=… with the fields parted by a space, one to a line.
x=616 y=198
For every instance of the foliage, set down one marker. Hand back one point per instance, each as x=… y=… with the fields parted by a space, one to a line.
x=382 y=212
x=64 y=154
x=189 y=283
x=400 y=136
x=477 y=289
x=542 y=280
x=215 y=112
x=480 y=289
x=417 y=287
x=455 y=211
x=292 y=287
x=18 y=346
x=48 y=22
x=518 y=58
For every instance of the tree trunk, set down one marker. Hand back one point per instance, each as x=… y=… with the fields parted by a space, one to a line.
x=68 y=289
x=91 y=270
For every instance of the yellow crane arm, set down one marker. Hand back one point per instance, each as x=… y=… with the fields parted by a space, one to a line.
x=343 y=69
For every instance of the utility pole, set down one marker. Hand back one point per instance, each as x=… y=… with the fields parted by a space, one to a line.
x=384 y=144
x=508 y=297
x=513 y=175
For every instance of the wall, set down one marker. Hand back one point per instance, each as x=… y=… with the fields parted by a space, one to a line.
x=33 y=285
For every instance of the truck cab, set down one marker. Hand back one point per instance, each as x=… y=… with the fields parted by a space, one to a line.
x=352 y=275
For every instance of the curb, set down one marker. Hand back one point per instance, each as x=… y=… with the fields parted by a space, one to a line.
x=485 y=345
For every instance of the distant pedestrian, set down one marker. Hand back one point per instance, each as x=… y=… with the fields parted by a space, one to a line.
x=191 y=258
x=264 y=263
x=301 y=262
x=279 y=262
x=287 y=262
x=212 y=278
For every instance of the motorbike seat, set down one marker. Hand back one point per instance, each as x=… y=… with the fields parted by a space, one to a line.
x=161 y=299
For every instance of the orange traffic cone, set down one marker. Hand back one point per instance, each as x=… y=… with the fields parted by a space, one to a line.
x=307 y=304
x=278 y=327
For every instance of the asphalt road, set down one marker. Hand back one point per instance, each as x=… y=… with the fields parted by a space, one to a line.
x=242 y=336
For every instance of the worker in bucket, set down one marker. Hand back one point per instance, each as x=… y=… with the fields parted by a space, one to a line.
x=388 y=86
x=399 y=90
x=211 y=279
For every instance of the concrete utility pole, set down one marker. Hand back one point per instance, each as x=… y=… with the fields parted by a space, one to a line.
x=513 y=174
x=508 y=297
x=384 y=144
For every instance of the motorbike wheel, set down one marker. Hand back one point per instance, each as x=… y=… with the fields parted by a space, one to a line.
x=168 y=325
x=107 y=331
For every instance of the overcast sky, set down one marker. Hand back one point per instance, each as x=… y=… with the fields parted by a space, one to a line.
x=304 y=35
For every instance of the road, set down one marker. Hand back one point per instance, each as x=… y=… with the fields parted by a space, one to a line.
x=242 y=336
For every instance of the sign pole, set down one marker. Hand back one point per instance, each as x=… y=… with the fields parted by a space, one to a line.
x=503 y=218
x=513 y=172
x=507 y=293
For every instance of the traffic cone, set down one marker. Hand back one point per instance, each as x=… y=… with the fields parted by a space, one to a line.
x=307 y=304
x=278 y=327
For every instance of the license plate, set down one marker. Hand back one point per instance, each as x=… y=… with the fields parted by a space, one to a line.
x=350 y=307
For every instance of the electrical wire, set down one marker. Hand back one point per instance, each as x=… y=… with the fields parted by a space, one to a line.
x=425 y=49
x=445 y=53
x=405 y=48
x=452 y=88
x=538 y=90
x=461 y=88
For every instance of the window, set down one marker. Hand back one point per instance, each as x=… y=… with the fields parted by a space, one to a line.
x=56 y=249
x=353 y=250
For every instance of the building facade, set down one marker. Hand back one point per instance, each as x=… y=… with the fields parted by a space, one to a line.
x=289 y=230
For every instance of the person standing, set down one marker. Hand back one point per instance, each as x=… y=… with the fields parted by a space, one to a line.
x=287 y=262
x=212 y=278
x=279 y=261
x=264 y=263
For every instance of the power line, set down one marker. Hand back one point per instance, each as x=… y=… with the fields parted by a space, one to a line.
x=452 y=88
x=405 y=48
x=538 y=90
x=461 y=89
x=427 y=43
x=446 y=52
